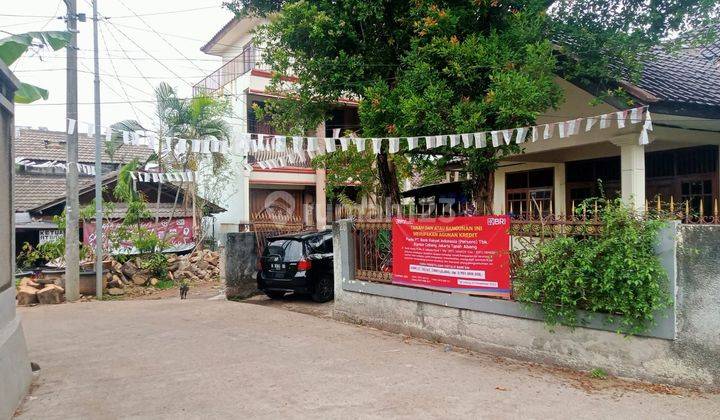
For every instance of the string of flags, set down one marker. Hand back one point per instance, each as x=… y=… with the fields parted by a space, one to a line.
x=81 y=167
x=160 y=177
x=294 y=149
x=494 y=138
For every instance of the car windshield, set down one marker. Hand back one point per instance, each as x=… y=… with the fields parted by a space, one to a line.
x=289 y=250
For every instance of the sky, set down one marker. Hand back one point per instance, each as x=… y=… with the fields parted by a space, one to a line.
x=136 y=54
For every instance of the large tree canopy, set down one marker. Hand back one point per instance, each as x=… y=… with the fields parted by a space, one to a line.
x=432 y=67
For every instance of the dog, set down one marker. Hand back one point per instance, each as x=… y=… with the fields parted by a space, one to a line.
x=184 y=290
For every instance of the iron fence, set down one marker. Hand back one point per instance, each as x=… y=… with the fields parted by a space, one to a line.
x=267 y=225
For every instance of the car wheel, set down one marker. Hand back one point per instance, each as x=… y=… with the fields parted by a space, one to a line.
x=274 y=294
x=324 y=289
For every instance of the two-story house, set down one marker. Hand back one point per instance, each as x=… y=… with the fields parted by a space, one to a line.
x=296 y=190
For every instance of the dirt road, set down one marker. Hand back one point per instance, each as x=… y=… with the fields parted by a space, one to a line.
x=218 y=359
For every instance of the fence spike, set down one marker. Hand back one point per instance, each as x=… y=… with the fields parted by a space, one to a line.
x=595 y=211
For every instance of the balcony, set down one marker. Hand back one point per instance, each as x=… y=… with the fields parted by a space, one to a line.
x=250 y=58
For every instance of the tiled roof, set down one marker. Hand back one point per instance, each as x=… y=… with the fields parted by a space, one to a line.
x=690 y=76
x=33 y=191
x=50 y=145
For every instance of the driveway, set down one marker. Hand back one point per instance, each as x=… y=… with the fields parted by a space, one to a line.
x=218 y=359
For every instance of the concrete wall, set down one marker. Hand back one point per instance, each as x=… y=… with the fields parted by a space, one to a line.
x=698 y=298
x=240 y=265
x=688 y=356
x=15 y=374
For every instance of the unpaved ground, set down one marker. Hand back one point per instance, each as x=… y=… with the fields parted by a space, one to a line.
x=217 y=359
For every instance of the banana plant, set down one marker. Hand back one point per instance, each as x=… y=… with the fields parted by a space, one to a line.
x=14 y=46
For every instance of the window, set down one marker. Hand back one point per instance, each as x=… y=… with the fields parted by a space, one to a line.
x=529 y=192
x=698 y=194
x=289 y=250
x=321 y=244
x=249 y=57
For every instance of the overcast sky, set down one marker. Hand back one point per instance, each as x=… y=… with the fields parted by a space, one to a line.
x=148 y=59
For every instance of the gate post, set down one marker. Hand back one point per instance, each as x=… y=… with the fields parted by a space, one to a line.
x=343 y=253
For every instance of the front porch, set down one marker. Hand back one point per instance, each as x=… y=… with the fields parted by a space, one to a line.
x=678 y=171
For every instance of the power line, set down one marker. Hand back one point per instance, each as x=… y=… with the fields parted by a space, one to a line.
x=167 y=12
x=26 y=23
x=132 y=61
x=150 y=55
x=122 y=85
x=159 y=35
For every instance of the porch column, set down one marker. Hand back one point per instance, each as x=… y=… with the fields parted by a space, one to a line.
x=320 y=195
x=559 y=187
x=632 y=171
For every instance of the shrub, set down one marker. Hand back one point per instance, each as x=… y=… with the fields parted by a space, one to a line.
x=616 y=272
x=157 y=264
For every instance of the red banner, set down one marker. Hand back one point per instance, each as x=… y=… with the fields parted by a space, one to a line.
x=458 y=254
x=176 y=231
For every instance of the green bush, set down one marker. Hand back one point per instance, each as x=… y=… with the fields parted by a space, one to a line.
x=616 y=272
x=157 y=264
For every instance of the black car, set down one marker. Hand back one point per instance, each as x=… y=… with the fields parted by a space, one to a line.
x=299 y=263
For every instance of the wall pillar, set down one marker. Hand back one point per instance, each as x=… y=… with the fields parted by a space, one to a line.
x=632 y=171
x=15 y=373
x=320 y=193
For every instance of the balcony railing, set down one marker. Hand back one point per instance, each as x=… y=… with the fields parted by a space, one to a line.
x=250 y=58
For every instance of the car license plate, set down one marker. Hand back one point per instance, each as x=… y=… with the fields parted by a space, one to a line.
x=276 y=266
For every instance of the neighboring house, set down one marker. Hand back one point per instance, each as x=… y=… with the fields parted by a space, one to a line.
x=39 y=192
x=298 y=190
x=680 y=163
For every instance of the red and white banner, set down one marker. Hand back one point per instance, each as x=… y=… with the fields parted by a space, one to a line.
x=177 y=232
x=457 y=254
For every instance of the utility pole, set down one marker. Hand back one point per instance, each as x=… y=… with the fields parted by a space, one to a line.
x=72 y=203
x=98 y=165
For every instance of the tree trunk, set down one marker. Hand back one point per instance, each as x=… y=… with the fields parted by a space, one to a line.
x=388 y=178
x=483 y=190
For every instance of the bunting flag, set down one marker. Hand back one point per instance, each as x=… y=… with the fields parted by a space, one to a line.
x=160 y=177
x=620 y=118
x=330 y=144
x=495 y=139
x=360 y=144
x=590 y=122
x=429 y=142
x=394 y=145
x=344 y=143
x=377 y=145
x=520 y=138
x=480 y=140
x=604 y=121
x=412 y=142
x=549 y=131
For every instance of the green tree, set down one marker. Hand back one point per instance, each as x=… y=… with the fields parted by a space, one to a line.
x=431 y=67
x=185 y=119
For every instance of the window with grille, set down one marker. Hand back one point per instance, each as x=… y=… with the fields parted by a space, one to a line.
x=529 y=192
